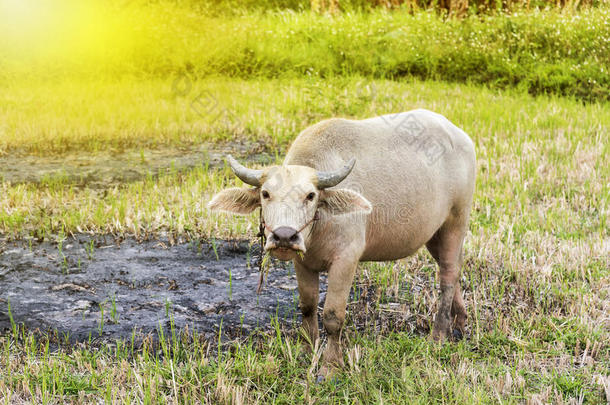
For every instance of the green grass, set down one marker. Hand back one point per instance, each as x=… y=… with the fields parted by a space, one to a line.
x=537 y=157
x=180 y=111
x=541 y=52
x=535 y=276
x=238 y=7
x=532 y=353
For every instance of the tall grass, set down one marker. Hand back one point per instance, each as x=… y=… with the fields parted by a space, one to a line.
x=333 y=6
x=541 y=52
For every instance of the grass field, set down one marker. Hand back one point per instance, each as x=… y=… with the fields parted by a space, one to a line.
x=541 y=52
x=560 y=145
x=536 y=277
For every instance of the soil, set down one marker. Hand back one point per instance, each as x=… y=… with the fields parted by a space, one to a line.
x=108 y=168
x=95 y=289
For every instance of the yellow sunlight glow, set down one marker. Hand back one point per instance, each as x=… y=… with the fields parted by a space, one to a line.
x=23 y=18
x=62 y=32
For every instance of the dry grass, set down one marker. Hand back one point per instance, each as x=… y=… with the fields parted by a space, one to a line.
x=536 y=277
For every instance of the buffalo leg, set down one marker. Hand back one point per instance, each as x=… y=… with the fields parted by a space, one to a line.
x=445 y=247
x=458 y=313
x=458 y=309
x=309 y=290
x=340 y=277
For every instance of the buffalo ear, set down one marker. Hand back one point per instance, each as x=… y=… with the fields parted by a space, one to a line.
x=236 y=200
x=344 y=201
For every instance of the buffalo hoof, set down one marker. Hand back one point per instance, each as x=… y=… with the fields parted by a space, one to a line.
x=457 y=335
x=333 y=380
x=437 y=336
x=327 y=374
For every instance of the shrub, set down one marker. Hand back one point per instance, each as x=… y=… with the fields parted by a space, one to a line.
x=540 y=51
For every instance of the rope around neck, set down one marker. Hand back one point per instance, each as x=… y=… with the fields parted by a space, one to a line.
x=263 y=240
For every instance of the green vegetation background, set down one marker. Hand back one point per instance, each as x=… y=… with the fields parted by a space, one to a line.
x=553 y=51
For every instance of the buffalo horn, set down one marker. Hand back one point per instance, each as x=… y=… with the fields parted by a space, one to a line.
x=330 y=179
x=248 y=176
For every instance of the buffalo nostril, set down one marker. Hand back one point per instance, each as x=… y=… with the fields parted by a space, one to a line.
x=285 y=234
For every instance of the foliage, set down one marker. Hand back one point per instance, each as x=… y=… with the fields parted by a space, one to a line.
x=333 y=6
x=541 y=52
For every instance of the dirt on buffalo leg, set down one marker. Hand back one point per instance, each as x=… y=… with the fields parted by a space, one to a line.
x=445 y=247
x=309 y=291
x=458 y=309
x=340 y=278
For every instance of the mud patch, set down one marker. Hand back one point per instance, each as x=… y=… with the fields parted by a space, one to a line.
x=102 y=290
x=104 y=169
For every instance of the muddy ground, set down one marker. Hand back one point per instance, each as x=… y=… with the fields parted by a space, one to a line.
x=101 y=289
x=107 y=168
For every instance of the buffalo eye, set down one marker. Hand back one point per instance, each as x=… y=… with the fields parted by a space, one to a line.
x=311 y=196
x=265 y=194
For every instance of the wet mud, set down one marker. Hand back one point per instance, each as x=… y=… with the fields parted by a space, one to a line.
x=95 y=289
x=105 y=169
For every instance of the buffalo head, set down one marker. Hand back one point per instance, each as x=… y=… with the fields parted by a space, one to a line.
x=291 y=198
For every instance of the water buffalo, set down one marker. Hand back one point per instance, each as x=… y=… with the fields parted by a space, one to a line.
x=369 y=190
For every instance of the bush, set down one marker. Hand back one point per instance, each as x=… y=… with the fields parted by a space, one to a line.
x=542 y=52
